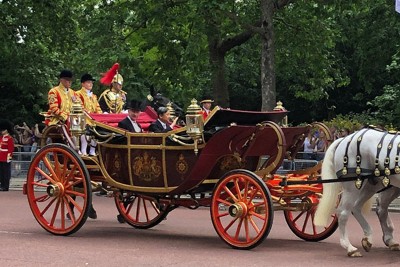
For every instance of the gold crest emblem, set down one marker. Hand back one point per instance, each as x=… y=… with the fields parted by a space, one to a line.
x=146 y=168
x=181 y=165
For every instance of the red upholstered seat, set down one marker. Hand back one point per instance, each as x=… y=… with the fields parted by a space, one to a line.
x=145 y=118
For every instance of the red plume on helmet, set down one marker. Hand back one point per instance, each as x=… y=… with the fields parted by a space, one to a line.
x=109 y=75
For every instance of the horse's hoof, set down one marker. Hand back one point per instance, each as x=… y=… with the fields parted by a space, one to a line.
x=366 y=244
x=394 y=247
x=354 y=254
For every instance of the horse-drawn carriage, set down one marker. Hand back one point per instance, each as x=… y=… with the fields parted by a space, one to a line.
x=227 y=163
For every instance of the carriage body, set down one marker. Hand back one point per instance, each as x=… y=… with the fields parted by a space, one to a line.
x=155 y=173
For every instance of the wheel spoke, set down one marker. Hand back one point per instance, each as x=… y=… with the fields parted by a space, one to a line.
x=230 y=194
x=305 y=222
x=255 y=227
x=138 y=208
x=53 y=218
x=223 y=201
x=246 y=229
x=238 y=228
x=51 y=170
x=145 y=210
x=298 y=216
x=230 y=224
x=258 y=215
x=45 y=175
x=238 y=191
x=41 y=198
x=47 y=206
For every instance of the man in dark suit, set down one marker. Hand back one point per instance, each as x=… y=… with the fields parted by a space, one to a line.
x=129 y=123
x=162 y=124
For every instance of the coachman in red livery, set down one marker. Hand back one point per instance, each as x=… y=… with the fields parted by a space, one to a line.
x=6 y=153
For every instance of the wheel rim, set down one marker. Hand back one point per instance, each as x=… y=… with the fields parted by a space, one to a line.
x=57 y=186
x=241 y=210
x=301 y=221
x=139 y=211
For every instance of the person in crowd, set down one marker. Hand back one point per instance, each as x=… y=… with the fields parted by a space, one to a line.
x=321 y=145
x=206 y=104
x=6 y=154
x=113 y=99
x=163 y=124
x=344 y=132
x=90 y=105
x=309 y=146
x=60 y=99
x=130 y=123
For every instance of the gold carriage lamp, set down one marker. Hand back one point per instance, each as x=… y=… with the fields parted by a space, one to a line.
x=77 y=119
x=194 y=123
x=279 y=107
x=171 y=111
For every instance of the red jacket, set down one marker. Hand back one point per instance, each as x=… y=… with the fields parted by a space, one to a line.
x=6 y=147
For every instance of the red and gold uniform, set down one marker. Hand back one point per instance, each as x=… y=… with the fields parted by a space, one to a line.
x=6 y=153
x=89 y=102
x=60 y=104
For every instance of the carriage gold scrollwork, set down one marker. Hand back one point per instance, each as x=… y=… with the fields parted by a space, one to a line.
x=231 y=162
x=181 y=165
x=147 y=168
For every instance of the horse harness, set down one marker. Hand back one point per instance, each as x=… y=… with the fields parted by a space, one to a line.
x=376 y=172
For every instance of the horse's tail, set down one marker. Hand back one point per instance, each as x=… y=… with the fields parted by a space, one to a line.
x=327 y=203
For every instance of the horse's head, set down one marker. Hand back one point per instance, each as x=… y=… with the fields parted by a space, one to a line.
x=158 y=100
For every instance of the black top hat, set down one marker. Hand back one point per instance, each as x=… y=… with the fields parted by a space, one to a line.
x=6 y=125
x=134 y=105
x=87 y=77
x=66 y=74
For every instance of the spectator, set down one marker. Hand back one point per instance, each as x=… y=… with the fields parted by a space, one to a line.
x=344 y=132
x=309 y=146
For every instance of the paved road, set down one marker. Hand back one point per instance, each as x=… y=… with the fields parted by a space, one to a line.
x=186 y=238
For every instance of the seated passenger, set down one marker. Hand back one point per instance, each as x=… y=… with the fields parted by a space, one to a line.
x=129 y=123
x=163 y=123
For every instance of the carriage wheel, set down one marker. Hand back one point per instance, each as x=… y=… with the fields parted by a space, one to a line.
x=58 y=189
x=301 y=222
x=140 y=211
x=241 y=209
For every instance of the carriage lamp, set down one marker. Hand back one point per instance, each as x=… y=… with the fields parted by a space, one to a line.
x=194 y=123
x=279 y=107
x=77 y=121
x=171 y=111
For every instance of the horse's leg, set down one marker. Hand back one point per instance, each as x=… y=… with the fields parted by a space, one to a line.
x=343 y=212
x=365 y=196
x=382 y=210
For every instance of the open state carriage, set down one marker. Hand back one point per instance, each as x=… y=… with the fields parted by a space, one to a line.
x=227 y=163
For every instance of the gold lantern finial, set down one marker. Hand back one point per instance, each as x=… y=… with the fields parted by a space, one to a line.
x=77 y=120
x=194 y=123
x=279 y=107
x=171 y=111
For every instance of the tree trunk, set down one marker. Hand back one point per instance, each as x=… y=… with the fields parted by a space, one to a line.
x=268 y=83
x=218 y=78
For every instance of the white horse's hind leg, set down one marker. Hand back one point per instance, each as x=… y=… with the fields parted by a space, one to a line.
x=343 y=212
x=382 y=210
x=366 y=194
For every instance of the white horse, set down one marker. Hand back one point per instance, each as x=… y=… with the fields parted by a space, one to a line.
x=365 y=155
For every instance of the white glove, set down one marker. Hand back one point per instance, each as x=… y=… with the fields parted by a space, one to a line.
x=9 y=157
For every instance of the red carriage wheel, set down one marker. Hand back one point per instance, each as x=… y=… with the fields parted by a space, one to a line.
x=241 y=209
x=140 y=211
x=301 y=221
x=58 y=189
